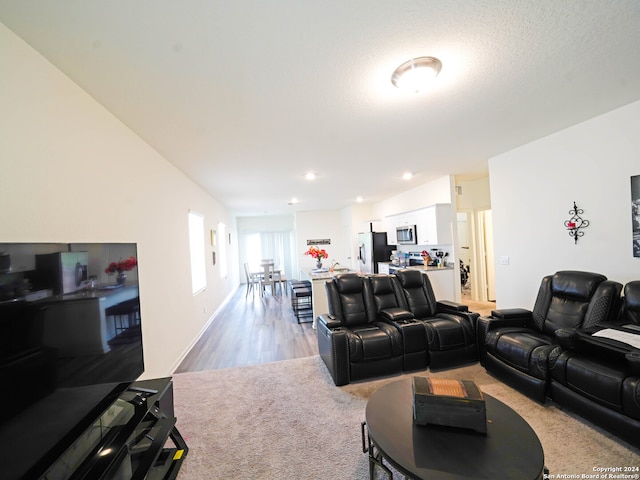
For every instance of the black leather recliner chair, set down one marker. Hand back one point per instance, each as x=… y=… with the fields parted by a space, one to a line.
x=391 y=306
x=599 y=377
x=449 y=326
x=515 y=344
x=352 y=342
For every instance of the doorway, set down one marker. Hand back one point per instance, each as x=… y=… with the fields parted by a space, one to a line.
x=476 y=256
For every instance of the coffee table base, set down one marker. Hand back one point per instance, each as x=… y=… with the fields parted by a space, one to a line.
x=375 y=456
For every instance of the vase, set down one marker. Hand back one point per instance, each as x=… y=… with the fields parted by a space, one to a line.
x=318 y=264
x=121 y=278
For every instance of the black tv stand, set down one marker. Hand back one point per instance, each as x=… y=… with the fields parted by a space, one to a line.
x=137 y=436
x=134 y=388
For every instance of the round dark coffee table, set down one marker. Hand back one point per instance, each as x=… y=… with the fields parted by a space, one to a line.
x=509 y=450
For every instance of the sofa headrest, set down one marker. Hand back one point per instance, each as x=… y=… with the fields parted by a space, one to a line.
x=381 y=284
x=632 y=295
x=348 y=283
x=575 y=284
x=410 y=278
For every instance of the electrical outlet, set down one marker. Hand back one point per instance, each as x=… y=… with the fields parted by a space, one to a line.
x=504 y=260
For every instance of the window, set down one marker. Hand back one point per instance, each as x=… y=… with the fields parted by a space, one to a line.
x=196 y=249
x=276 y=245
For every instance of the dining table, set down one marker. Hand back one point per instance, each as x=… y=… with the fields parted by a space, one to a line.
x=268 y=269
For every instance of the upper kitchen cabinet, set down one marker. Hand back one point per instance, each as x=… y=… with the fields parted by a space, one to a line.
x=433 y=225
x=390 y=224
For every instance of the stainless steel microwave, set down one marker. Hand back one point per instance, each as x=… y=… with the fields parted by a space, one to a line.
x=406 y=235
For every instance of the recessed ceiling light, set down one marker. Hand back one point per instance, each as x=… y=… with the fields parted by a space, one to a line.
x=407 y=176
x=293 y=201
x=359 y=199
x=415 y=75
x=310 y=176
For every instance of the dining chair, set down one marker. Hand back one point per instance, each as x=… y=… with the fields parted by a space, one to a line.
x=281 y=280
x=268 y=278
x=252 y=279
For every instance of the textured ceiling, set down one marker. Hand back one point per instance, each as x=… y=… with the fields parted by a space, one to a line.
x=247 y=96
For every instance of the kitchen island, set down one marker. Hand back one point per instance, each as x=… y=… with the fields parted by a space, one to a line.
x=76 y=324
x=318 y=277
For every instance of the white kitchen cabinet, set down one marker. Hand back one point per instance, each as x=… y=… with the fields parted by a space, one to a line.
x=390 y=224
x=404 y=219
x=433 y=225
x=425 y=219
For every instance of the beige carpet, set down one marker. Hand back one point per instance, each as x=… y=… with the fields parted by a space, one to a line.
x=287 y=420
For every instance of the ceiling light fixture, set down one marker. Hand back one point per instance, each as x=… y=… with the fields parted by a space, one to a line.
x=414 y=75
x=310 y=176
x=359 y=199
x=407 y=176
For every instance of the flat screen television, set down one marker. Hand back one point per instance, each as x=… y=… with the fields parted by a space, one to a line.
x=70 y=344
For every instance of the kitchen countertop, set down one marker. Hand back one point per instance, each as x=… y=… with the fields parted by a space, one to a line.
x=325 y=274
x=419 y=267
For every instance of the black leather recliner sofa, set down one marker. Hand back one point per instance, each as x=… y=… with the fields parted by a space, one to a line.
x=598 y=377
x=382 y=324
x=352 y=341
x=515 y=344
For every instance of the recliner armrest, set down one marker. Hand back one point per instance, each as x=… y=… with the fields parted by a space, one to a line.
x=512 y=313
x=515 y=317
x=446 y=306
x=396 y=315
x=584 y=342
x=568 y=338
x=329 y=321
x=333 y=347
x=633 y=361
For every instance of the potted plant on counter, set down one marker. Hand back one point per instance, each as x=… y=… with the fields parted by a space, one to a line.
x=121 y=267
x=318 y=254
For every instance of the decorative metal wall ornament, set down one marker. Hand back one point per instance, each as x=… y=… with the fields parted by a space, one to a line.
x=635 y=214
x=575 y=223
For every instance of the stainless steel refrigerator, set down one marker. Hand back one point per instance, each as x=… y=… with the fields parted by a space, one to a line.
x=63 y=272
x=372 y=248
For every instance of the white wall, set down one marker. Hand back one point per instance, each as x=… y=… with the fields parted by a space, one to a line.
x=425 y=195
x=475 y=196
x=71 y=172
x=533 y=188
x=319 y=225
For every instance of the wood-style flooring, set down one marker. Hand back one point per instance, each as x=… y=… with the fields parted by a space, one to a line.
x=249 y=330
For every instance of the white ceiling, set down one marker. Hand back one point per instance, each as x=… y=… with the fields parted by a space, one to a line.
x=247 y=96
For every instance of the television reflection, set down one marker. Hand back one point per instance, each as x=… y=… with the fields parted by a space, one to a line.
x=70 y=341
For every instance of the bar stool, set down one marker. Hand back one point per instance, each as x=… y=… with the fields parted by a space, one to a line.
x=301 y=302
x=129 y=311
x=294 y=284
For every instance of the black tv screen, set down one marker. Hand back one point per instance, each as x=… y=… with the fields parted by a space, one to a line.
x=70 y=344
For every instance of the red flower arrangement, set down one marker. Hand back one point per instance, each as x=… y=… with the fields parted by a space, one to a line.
x=317 y=253
x=122 y=266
